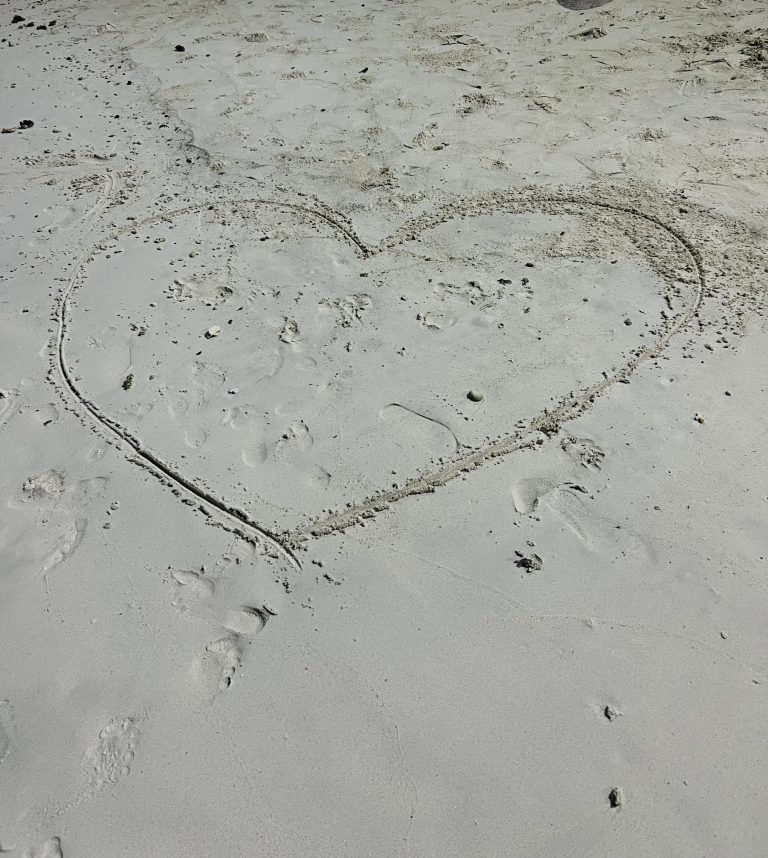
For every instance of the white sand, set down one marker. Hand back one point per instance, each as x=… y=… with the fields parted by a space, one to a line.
x=271 y=582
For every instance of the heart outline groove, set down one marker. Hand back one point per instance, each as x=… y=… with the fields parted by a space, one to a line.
x=628 y=220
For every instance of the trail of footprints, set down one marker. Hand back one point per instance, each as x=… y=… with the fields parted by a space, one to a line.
x=200 y=595
x=258 y=438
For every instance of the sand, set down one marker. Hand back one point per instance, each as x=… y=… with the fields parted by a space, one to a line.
x=383 y=403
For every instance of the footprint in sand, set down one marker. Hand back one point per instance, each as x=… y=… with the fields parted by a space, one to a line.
x=111 y=757
x=210 y=290
x=223 y=657
x=317 y=477
x=527 y=493
x=50 y=849
x=584 y=451
x=436 y=321
x=195 y=388
x=44 y=487
x=58 y=217
x=254 y=452
x=246 y=419
x=292 y=449
x=218 y=664
x=195 y=437
x=295 y=440
x=66 y=544
x=247 y=620
x=192 y=592
x=196 y=595
x=64 y=506
x=350 y=309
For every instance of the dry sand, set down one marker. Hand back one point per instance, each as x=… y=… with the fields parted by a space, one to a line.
x=383 y=395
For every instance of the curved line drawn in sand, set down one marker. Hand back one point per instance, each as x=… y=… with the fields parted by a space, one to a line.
x=426 y=418
x=538 y=428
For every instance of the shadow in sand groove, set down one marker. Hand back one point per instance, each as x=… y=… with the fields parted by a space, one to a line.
x=581 y=5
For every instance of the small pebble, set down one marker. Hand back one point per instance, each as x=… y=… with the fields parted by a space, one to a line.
x=627 y=321
x=616 y=797
x=475 y=396
x=212 y=332
x=26 y=123
x=180 y=48
x=699 y=418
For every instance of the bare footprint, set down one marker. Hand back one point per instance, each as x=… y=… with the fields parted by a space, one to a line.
x=296 y=439
x=195 y=437
x=218 y=664
x=584 y=451
x=111 y=757
x=211 y=290
x=526 y=494
x=44 y=487
x=317 y=477
x=50 y=849
x=195 y=389
x=247 y=620
x=254 y=452
x=66 y=544
x=192 y=592
x=437 y=321
x=350 y=309
x=222 y=599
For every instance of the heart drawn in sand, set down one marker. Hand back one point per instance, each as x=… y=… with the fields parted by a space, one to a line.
x=265 y=360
